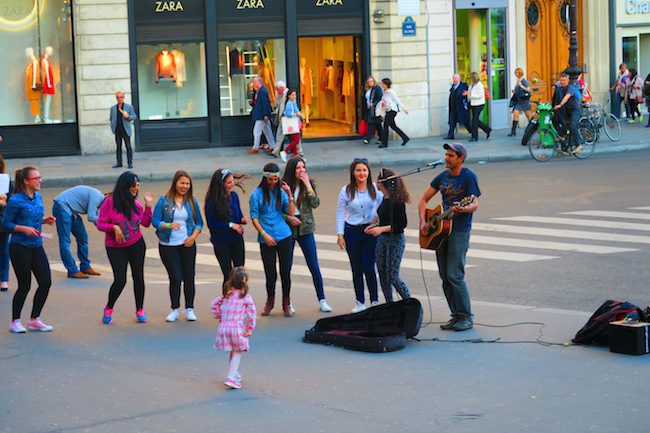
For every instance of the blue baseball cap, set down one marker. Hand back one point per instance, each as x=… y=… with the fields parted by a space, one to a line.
x=456 y=147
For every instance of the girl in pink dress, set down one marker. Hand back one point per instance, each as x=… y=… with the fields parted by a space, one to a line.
x=236 y=311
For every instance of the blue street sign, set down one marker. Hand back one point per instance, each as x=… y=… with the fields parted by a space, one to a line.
x=408 y=27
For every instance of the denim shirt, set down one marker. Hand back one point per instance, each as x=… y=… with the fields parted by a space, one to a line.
x=270 y=218
x=164 y=213
x=24 y=211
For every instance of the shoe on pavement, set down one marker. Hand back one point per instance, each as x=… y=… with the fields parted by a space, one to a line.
x=283 y=155
x=141 y=316
x=117 y=166
x=232 y=383
x=130 y=165
x=449 y=325
x=108 y=316
x=405 y=141
x=324 y=307
x=358 y=307
x=91 y=271
x=365 y=141
x=189 y=315
x=463 y=325
x=16 y=327
x=374 y=303
x=172 y=316
x=38 y=325
x=293 y=310
x=80 y=275
x=252 y=150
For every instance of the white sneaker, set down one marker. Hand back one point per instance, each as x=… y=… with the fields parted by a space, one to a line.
x=17 y=327
x=293 y=310
x=359 y=307
x=172 y=316
x=374 y=303
x=189 y=315
x=324 y=307
x=283 y=155
x=38 y=325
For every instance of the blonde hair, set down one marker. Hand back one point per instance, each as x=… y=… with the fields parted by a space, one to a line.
x=519 y=71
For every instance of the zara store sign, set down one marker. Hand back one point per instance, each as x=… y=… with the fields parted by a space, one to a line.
x=634 y=7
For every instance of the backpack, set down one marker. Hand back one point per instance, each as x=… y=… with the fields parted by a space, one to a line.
x=596 y=330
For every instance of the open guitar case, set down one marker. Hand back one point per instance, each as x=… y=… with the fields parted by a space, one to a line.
x=383 y=328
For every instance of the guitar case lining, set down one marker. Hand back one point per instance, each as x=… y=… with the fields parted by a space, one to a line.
x=383 y=328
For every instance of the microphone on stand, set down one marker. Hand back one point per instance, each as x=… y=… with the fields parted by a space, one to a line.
x=434 y=164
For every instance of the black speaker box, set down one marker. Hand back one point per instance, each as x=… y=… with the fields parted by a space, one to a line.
x=631 y=338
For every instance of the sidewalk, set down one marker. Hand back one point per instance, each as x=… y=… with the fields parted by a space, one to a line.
x=65 y=171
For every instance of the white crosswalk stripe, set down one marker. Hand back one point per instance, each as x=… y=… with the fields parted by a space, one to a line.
x=611 y=214
x=640 y=208
x=579 y=222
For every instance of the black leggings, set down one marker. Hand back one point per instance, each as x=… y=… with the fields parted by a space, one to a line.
x=180 y=263
x=120 y=258
x=230 y=254
x=283 y=250
x=389 y=121
x=26 y=260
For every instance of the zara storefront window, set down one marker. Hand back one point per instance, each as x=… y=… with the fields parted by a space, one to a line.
x=239 y=63
x=38 y=81
x=171 y=81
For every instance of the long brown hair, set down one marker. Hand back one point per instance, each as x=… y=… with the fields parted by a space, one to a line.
x=398 y=195
x=291 y=180
x=22 y=174
x=351 y=189
x=171 y=193
x=237 y=280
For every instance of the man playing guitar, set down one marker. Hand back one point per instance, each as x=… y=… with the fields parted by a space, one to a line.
x=454 y=184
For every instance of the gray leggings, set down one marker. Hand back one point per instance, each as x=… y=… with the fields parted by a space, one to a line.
x=388 y=254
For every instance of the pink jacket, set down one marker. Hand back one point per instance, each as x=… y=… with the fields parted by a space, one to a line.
x=109 y=217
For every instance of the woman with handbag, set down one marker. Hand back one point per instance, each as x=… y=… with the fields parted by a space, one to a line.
x=292 y=114
x=476 y=96
x=521 y=95
x=635 y=94
x=372 y=98
x=390 y=105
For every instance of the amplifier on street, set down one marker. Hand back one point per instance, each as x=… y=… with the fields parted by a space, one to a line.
x=631 y=338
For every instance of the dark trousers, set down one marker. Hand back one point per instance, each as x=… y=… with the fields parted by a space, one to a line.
x=26 y=261
x=180 y=263
x=360 y=247
x=454 y=118
x=451 y=257
x=389 y=122
x=283 y=252
x=119 y=137
x=374 y=124
x=230 y=254
x=634 y=109
x=308 y=246
x=120 y=258
x=476 y=122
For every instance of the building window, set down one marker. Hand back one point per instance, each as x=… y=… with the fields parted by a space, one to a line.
x=38 y=77
x=532 y=14
x=171 y=81
x=239 y=63
x=630 y=52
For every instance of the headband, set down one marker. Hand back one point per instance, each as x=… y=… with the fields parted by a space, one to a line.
x=271 y=173
x=225 y=173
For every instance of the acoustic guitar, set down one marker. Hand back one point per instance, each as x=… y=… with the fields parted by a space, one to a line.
x=440 y=224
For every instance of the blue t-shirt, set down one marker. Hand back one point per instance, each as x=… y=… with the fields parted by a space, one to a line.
x=454 y=189
x=271 y=219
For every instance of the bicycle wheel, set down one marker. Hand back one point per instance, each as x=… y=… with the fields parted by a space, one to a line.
x=612 y=127
x=541 y=146
x=588 y=134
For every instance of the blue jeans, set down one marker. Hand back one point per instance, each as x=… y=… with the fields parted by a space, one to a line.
x=4 y=256
x=361 y=252
x=451 y=267
x=66 y=224
x=308 y=246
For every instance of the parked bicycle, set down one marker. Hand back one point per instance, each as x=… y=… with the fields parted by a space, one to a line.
x=601 y=120
x=544 y=141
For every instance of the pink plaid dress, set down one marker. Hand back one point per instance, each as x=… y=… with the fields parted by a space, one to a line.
x=237 y=315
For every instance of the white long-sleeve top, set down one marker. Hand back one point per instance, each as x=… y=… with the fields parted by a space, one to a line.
x=390 y=101
x=355 y=212
x=476 y=94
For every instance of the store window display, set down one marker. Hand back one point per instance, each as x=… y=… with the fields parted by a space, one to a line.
x=172 y=81
x=239 y=63
x=39 y=78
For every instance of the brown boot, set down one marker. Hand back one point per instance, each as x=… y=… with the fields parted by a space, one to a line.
x=286 y=307
x=270 y=302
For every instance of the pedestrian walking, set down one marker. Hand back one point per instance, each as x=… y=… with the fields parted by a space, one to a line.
x=372 y=97
x=292 y=111
x=5 y=193
x=303 y=225
x=268 y=205
x=635 y=95
x=120 y=217
x=454 y=184
x=458 y=106
x=389 y=229
x=619 y=90
x=391 y=105
x=476 y=96
x=261 y=116
x=281 y=92
x=520 y=101
x=23 y=218
x=178 y=222
x=236 y=311
x=68 y=208
x=356 y=209
x=646 y=95
x=226 y=221
x=122 y=116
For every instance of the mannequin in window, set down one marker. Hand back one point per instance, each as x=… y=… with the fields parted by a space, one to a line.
x=165 y=66
x=48 y=82
x=33 y=86
x=306 y=88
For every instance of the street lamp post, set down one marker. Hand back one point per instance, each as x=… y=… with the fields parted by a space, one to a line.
x=574 y=70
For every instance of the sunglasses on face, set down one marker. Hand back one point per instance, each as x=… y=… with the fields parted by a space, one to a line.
x=364 y=160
